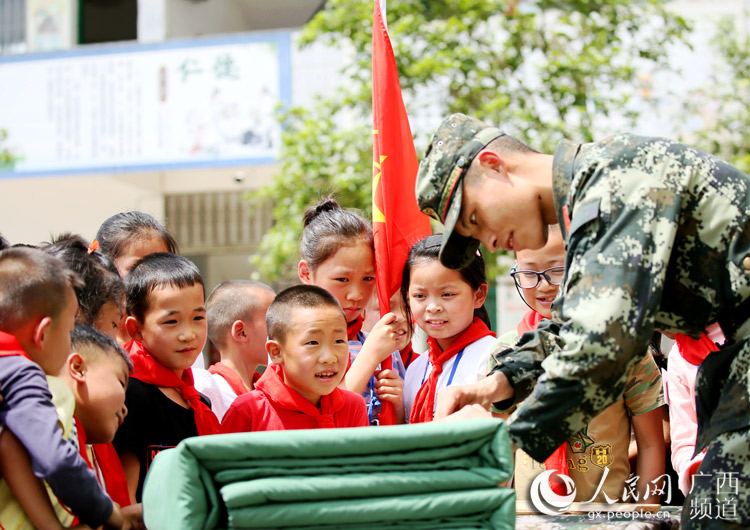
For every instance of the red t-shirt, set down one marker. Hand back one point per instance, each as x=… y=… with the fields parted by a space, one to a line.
x=274 y=406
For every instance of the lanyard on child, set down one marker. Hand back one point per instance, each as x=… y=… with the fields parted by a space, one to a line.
x=373 y=404
x=453 y=370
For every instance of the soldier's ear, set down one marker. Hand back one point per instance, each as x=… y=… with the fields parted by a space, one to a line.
x=491 y=160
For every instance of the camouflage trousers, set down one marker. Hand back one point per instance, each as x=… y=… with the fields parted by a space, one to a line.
x=720 y=497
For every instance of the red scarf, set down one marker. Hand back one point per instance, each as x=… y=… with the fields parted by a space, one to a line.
x=354 y=327
x=408 y=355
x=282 y=395
x=149 y=370
x=108 y=463
x=232 y=378
x=9 y=346
x=557 y=460
x=695 y=351
x=529 y=322
x=424 y=403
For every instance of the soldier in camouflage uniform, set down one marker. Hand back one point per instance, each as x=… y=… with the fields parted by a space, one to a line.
x=657 y=237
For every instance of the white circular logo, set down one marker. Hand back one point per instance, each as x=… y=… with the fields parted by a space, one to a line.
x=545 y=500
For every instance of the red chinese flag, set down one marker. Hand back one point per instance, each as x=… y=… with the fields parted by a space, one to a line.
x=396 y=219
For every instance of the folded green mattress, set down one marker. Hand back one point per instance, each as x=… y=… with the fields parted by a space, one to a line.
x=425 y=476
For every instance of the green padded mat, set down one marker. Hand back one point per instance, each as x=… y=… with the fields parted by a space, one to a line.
x=424 y=476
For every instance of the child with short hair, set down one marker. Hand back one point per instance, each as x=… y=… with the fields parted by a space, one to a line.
x=97 y=372
x=37 y=313
x=236 y=315
x=90 y=394
x=101 y=299
x=604 y=443
x=127 y=237
x=167 y=321
x=338 y=254
x=448 y=304
x=307 y=342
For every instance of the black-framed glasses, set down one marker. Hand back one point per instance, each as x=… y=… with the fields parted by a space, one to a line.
x=530 y=279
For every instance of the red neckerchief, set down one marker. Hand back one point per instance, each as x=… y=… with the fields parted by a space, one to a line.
x=282 y=395
x=557 y=461
x=114 y=476
x=10 y=346
x=424 y=402
x=408 y=355
x=695 y=351
x=232 y=378
x=529 y=322
x=149 y=370
x=354 y=327
x=108 y=464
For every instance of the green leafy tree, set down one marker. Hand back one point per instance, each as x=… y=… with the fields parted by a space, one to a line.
x=6 y=157
x=723 y=105
x=541 y=69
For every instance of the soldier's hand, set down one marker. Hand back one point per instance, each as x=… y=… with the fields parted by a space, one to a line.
x=469 y=412
x=484 y=393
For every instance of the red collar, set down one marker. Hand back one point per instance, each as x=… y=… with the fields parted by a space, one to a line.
x=232 y=378
x=529 y=322
x=282 y=395
x=10 y=346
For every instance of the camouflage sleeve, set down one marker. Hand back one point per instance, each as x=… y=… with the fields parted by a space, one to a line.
x=521 y=361
x=643 y=388
x=619 y=242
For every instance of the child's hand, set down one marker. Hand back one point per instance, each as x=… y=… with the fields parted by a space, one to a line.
x=115 y=520
x=133 y=516
x=389 y=334
x=390 y=387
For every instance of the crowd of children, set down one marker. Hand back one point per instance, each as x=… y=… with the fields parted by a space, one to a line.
x=83 y=418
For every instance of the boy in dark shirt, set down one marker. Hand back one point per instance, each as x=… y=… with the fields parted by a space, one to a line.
x=167 y=322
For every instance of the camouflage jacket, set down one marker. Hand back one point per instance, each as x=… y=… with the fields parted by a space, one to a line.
x=657 y=237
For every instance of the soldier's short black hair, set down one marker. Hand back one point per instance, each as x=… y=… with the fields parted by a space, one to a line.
x=157 y=270
x=102 y=282
x=279 y=314
x=4 y=243
x=92 y=344
x=32 y=284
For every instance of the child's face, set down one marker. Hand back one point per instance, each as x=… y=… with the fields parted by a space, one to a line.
x=314 y=353
x=552 y=254
x=349 y=275
x=138 y=249
x=101 y=409
x=108 y=318
x=56 y=343
x=174 y=326
x=441 y=301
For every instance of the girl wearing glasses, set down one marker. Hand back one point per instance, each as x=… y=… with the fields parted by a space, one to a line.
x=605 y=442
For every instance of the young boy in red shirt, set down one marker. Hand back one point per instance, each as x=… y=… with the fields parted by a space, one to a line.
x=307 y=342
x=167 y=321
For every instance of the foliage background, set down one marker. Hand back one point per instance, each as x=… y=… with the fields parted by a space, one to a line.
x=541 y=69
